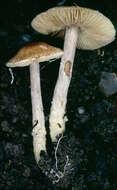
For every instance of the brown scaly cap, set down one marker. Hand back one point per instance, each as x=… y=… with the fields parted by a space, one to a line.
x=34 y=52
x=94 y=29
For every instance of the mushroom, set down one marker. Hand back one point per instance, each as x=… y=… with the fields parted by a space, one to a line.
x=31 y=55
x=83 y=28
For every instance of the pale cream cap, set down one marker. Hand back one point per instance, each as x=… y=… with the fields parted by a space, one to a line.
x=94 y=29
x=33 y=53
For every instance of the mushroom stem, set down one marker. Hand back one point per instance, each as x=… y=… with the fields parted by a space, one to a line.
x=57 y=113
x=38 y=132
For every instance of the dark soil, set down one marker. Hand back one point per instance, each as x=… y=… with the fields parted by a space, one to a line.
x=86 y=156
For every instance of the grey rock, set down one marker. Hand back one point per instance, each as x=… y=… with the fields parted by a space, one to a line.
x=108 y=83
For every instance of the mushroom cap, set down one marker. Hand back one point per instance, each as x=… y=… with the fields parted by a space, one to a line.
x=33 y=53
x=94 y=29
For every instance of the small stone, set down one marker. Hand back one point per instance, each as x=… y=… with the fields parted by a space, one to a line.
x=108 y=83
x=61 y=3
x=25 y=37
x=81 y=110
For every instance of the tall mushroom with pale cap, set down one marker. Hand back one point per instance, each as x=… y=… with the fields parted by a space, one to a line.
x=31 y=55
x=84 y=29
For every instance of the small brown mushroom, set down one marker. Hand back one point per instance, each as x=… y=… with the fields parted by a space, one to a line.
x=83 y=28
x=31 y=55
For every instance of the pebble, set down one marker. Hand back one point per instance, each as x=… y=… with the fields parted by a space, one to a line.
x=25 y=38
x=81 y=110
x=61 y=3
x=108 y=83
x=82 y=115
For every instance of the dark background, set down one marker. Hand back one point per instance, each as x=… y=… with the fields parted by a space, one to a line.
x=91 y=138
